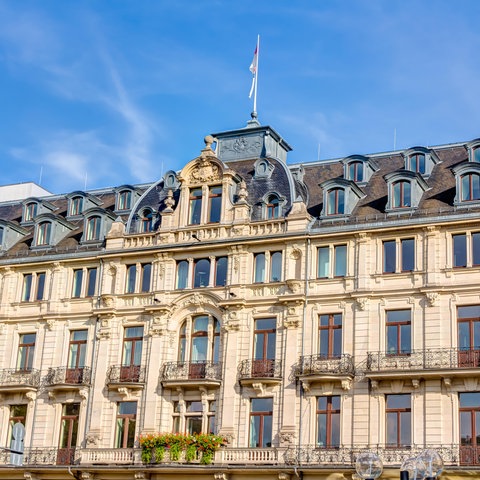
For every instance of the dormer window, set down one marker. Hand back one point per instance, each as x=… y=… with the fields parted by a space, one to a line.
x=44 y=233
x=470 y=187
x=467 y=179
x=401 y=194
x=273 y=207
x=263 y=168
x=476 y=154
x=146 y=221
x=417 y=163
x=76 y=206
x=355 y=171
x=358 y=168
x=124 y=200
x=30 y=211
x=93 y=228
x=336 y=201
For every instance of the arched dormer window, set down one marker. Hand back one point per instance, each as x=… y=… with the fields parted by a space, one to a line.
x=336 y=201
x=30 y=211
x=93 y=228
x=124 y=201
x=405 y=190
x=473 y=149
x=340 y=197
x=76 y=206
x=33 y=207
x=44 y=233
x=467 y=181
x=358 y=168
x=476 y=154
x=273 y=207
x=355 y=171
x=146 y=220
x=420 y=160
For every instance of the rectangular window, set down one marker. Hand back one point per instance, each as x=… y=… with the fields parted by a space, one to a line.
x=193 y=417
x=389 y=256
x=408 y=254
x=146 y=277
x=26 y=350
x=264 y=345
x=91 y=281
x=68 y=433
x=330 y=335
x=398 y=332
x=40 y=286
x=125 y=428
x=398 y=413
x=276 y=267
x=332 y=261
x=328 y=421
x=469 y=427
x=182 y=274
x=468 y=319
x=77 y=349
x=27 y=287
x=404 y=261
x=131 y=279
x=466 y=249
x=195 y=213
x=221 y=267
x=261 y=413
x=201 y=273
x=259 y=268
x=132 y=354
x=460 y=250
x=77 y=283
x=214 y=204
x=16 y=432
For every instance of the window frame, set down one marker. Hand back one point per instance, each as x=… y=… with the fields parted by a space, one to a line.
x=335 y=201
x=331 y=328
x=93 y=228
x=333 y=262
x=329 y=413
x=259 y=440
x=25 y=361
x=401 y=256
x=404 y=198
x=400 y=425
x=214 y=204
x=398 y=327
x=468 y=251
x=122 y=438
x=44 y=234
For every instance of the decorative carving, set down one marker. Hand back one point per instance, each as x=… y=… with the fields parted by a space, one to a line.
x=30 y=476
x=52 y=396
x=362 y=303
x=3 y=328
x=294 y=286
x=296 y=253
x=346 y=384
x=291 y=322
x=221 y=476
x=242 y=193
x=259 y=388
x=204 y=171
x=374 y=384
x=284 y=476
x=50 y=324
x=83 y=392
x=93 y=439
x=117 y=229
x=432 y=298
x=415 y=383
x=306 y=385
x=287 y=436
x=169 y=202
x=87 y=476
x=31 y=397
x=141 y=476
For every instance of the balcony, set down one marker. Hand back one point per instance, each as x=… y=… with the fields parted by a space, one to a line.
x=191 y=374
x=260 y=373
x=39 y=457
x=428 y=363
x=19 y=381
x=64 y=378
x=323 y=368
x=121 y=377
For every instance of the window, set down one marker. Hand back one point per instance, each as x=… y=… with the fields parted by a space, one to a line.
x=132 y=354
x=476 y=155
x=93 y=229
x=261 y=410
x=267 y=265
x=124 y=200
x=26 y=351
x=33 y=286
x=259 y=268
x=470 y=187
x=398 y=414
x=27 y=287
x=77 y=283
x=355 y=171
x=146 y=277
x=466 y=249
x=330 y=335
x=68 y=433
x=199 y=343
x=40 y=286
x=405 y=261
x=401 y=194
x=91 y=281
x=131 y=278
x=198 y=417
x=16 y=431
x=398 y=332
x=30 y=211
x=264 y=345
x=146 y=221
x=469 y=426
x=417 y=163
x=201 y=273
x=276 y=267
x=44 y=231
x=336 y=201
x=273 y=207
x=77 y=350
x=214 y=204
x=195 y=213
x=328 y=421
x=76 y=206
x=221 y=266
x=125 y=428
x=182 y=274
x=468 y=319
x=332 y=261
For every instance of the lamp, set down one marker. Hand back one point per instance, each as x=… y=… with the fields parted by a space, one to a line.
x=433 y=463
x=412 y=468
x=369 y=466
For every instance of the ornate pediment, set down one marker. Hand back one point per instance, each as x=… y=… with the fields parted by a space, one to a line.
x=204 y=171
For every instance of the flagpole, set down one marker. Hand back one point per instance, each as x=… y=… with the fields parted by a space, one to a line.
x=256 y=79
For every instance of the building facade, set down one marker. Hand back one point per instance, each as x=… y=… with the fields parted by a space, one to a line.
x=305 y=313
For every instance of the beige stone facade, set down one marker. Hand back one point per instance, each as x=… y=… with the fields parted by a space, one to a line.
x=301 y=337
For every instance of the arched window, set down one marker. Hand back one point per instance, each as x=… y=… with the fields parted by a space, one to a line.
x=273 y=207
x=336 y=201
x=355 y=171
x=146 y=222
x=476 y=155
x=124 y=200
x=201 y=275
x=76 y=205
x=199 y=343
x=417 y=163
x=470 y=187
x=402 y=196
x=93 y=228
x=44 y=231
x=30 y=211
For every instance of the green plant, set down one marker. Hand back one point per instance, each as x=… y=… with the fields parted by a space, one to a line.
x=159 y=453
x=191 y=452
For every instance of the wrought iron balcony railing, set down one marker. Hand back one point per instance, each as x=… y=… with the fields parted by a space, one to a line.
x=428 y=359
x=126 y=374
x=264 y=368
x=39 y=456
x=27 y=378
x=323 y=364
x=68 y=376
x=191 y=371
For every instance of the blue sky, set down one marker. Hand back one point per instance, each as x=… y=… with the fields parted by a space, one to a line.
x=108 y=92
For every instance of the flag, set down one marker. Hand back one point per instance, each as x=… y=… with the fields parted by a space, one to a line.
x=253 y=69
